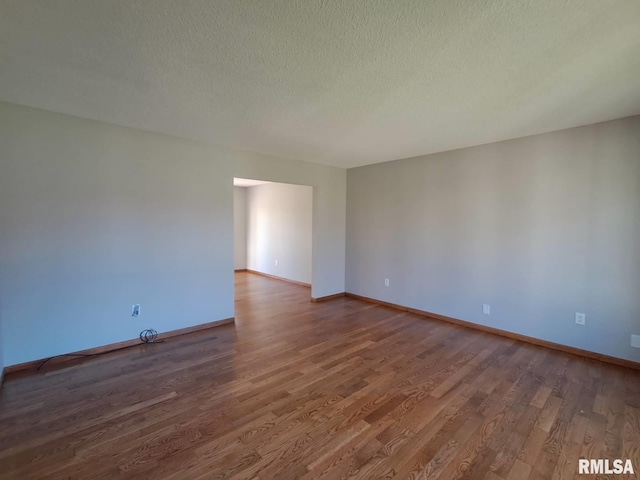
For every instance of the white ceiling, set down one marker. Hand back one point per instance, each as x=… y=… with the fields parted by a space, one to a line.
x=245 y=182
x=341 y=82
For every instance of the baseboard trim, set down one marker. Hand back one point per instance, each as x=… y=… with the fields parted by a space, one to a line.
x=33 y=364
x=295 y=282
x=504 y=333
x=240 y=270
x=328 y=297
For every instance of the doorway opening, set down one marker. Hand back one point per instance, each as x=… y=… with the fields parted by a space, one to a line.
x=273 y=230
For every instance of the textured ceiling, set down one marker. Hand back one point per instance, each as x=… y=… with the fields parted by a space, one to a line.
x=345 y=83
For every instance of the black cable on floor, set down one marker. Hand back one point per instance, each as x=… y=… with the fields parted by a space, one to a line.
x=146 y=337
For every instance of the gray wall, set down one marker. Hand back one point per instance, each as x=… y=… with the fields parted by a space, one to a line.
x=240 y=228
x=95 y=217
x=279 y=228
x=1 y=348
x=539 y=228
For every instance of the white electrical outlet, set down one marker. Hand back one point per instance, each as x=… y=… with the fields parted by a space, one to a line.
x=135 y=310
x=486 y=309
x=386 y=282
x=635 y=341
x=581 y=318
x=276 y=263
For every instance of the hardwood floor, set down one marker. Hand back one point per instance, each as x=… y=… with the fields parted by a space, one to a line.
x=338 y=389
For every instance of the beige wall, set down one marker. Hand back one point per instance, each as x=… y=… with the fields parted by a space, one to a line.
x=539 y=228
x=95 y=218
x=280 y=228
x=240 y=228
x=329 y=211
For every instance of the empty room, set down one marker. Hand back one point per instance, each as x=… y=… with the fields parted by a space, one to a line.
x=319 y=239
x=273 y=230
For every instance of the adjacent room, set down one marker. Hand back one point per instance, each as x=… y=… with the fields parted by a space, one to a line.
x=319 y=239
x=273 y=229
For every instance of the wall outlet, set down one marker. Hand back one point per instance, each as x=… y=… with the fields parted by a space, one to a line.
x=486 y=309
x=386 y=282
x=277 y=263
x=581 y=318
x=135 y=310
x=635 y=341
